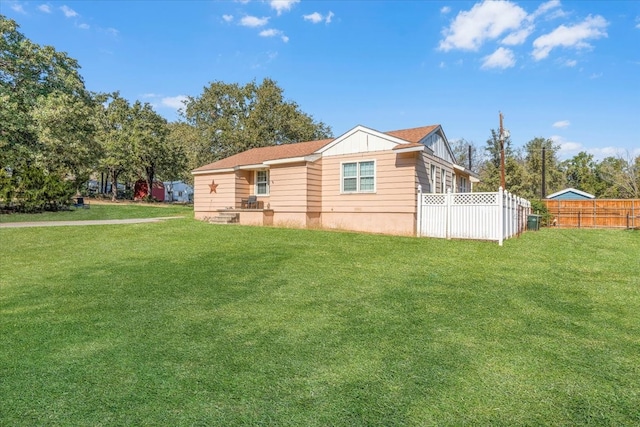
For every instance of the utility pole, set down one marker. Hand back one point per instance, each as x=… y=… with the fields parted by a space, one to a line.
x=544 y=174
x=502 y=178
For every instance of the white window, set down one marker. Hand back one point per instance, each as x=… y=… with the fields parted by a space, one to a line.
x=262 y=182
x=359 y=177
x=443 y=180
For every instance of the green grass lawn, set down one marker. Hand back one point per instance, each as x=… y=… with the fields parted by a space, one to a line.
x=187 y=323
x=105 y=210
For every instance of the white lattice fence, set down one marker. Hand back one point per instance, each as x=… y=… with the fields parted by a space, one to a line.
x=436 y=205
x=481 y=216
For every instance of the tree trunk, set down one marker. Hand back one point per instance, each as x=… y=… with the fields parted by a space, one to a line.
x=114 y=185
x=151 y=171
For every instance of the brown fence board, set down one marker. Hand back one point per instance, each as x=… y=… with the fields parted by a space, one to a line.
x=595 y=213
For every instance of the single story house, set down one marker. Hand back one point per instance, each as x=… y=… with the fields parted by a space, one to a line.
x=364 y=180
x=570 y=194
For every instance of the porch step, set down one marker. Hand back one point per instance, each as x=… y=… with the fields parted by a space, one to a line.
x=225 y=218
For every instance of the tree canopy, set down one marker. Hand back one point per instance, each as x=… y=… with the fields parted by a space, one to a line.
x=229 y=118
x=613 y=177
x=47 y=122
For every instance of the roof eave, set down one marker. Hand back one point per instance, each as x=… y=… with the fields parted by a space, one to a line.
x=207 y=172
x=309 y=158
x=420 y=148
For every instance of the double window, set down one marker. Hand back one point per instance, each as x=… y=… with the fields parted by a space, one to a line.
x=262 y=182
x=359 y=177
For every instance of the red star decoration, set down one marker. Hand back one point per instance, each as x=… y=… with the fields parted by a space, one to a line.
x=213 y=186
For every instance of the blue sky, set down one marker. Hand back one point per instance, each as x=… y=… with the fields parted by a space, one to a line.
x=566 y=70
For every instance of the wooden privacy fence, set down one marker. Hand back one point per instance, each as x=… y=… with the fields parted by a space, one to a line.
x=595 y=213
x=480 y=216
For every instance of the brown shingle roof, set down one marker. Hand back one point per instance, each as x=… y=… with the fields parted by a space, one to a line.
x=414 y=134
x=259 y=155
x=263 y=154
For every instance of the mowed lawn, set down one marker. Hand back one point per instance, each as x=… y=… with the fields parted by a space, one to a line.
x=187 y=323
x=105 y=210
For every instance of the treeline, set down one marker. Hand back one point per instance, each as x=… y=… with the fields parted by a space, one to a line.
x=55 y=135
x=612 y=177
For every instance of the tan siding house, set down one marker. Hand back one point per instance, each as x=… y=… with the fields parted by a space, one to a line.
x=364 y=180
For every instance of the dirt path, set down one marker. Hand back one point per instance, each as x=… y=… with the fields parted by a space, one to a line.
x=85 y=222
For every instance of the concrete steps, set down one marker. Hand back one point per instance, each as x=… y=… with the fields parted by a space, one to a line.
x=225 y=218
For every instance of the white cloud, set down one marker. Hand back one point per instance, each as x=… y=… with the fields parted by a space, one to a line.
x=68 y=12
x=445 y=9
x=274 y=33
x=83 y=26
x=593 y=27
x=501 y=58
x=317 y=17
x=561 y=124
x=227 y=18
x=518 y=37
x=638 y=22
x=485 y=21
x=269 y=33
x=570 y=63
x=112 y=32
x=150 y=95
x=282 y=5
x=545 y=7
x=328 y=18
x=17 y=7
x=175 y=102
x=253 y=21
x=568 y=149
x=45 y=8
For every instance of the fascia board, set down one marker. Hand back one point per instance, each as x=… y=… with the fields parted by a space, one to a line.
x=251 y=167
x=212 y=171
x=410 y=149
x=311 y=158
x=571 y=190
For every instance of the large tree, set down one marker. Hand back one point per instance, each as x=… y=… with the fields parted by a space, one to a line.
x=490 y=172
x=47 y=120
x=554 y=179
x=622 y=176
x=229 y=118
x=461 y=149
x=583 y=173
x=153 y=154
x=184 y=135
x=113 y=134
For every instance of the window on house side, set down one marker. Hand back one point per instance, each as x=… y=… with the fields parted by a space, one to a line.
x=262 y=182
x=359 y=177
x=443 y=180
x=433 y=179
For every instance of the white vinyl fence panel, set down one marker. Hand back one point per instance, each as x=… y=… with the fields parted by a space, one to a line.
x=480 y=216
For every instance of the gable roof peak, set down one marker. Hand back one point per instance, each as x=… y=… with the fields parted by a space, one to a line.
x=413 y=134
